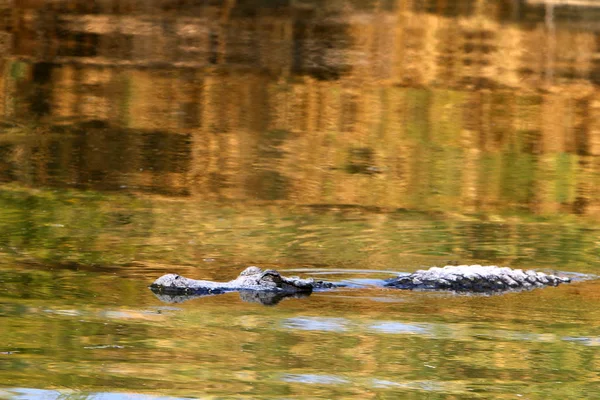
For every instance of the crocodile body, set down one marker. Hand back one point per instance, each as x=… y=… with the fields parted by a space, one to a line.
x=475 y=278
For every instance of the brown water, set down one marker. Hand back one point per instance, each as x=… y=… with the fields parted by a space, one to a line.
x=345 y=140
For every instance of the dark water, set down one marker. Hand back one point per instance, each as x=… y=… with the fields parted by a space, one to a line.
x=345 y=140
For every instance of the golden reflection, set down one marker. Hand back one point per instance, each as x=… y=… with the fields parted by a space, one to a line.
x=409 y=104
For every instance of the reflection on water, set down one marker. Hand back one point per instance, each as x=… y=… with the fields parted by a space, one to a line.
x=102 y=232
x=249 y=296
x=344 y=138
x=26 y=393
x=473 y=107
x=316 y=324
x=398 y=327
x=314 y=379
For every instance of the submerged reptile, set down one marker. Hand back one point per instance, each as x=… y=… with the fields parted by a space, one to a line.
x=269 y=286
x=254 y=284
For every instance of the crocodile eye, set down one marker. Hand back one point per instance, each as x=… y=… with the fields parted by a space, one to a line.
x=270 y=275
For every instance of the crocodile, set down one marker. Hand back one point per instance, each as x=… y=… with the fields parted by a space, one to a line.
x=269 y=286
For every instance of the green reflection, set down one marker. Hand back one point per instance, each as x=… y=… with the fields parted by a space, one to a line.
x=86 y=228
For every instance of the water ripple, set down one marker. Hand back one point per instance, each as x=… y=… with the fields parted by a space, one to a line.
x=400 y=328
x=317 y=324
x=314 y=379
x=40 y=394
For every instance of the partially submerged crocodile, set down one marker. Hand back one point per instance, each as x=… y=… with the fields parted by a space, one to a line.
x=254 y=284
x=269 y=286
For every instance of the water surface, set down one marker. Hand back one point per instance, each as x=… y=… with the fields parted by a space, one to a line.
x=345 y=140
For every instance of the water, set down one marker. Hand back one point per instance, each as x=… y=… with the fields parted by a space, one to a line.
x=345 y=140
